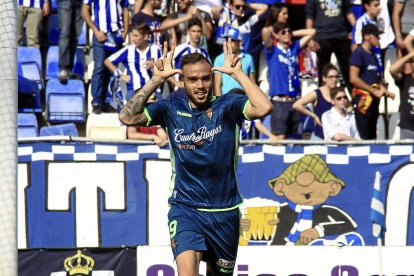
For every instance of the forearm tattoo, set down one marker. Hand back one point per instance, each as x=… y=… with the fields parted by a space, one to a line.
x=134 y=108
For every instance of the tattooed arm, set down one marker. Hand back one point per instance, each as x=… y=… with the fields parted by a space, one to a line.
x=133 y=112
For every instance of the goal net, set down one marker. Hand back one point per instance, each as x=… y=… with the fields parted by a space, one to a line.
x=8 y=139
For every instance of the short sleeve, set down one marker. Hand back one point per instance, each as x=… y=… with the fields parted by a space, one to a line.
x=356 y=59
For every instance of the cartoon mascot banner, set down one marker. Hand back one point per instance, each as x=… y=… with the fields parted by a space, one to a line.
x=110 y=195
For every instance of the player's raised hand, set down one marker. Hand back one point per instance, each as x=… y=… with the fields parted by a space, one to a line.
x=163 y=66
x=232 y=63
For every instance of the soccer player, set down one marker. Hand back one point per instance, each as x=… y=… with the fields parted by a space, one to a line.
x=204 y=133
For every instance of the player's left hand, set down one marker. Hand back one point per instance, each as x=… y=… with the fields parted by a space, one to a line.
x=232 y=63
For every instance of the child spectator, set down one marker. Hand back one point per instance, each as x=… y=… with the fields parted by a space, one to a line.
x=192 y=46
x=372 y=9
x=138 y=58
x=366 y=77
x=223 y=83
x=284 y=77
x=338 y=123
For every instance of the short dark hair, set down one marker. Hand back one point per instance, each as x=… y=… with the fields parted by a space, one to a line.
x=142 y=28
x=194 y=21
x=335 y=91
x=193 y=58
x=278 y=26
x=368 y=2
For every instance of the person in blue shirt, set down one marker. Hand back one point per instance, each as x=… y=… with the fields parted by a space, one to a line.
x=224 y=83
x=203 y=130
x=285 y=89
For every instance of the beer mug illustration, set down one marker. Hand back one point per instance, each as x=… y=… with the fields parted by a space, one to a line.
x=256 y=214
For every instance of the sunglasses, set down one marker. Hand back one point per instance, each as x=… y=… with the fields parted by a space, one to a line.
x=287 y=31
x=239 y=7
x=341 y=98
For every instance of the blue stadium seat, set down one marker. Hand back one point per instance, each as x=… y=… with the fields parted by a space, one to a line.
x=26 y=125
x=65 y=102
x=53 y=31
x=29 y=96
x=52 y=59
x=29 y=64
x=68 y=129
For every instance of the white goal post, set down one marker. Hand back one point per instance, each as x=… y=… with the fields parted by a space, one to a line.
x=8 y=137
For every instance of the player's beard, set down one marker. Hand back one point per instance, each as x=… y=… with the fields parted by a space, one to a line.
x=202 y=100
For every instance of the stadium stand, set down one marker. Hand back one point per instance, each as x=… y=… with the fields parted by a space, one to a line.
x=52 y=63
x=29 y=96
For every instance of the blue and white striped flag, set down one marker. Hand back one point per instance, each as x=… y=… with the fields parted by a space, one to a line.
x=377 y=214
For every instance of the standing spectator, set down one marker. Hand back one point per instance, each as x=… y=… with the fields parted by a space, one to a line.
x=223 y=83
x=110 y=28
x=237 y=15
x=31 y=12
x=138 y=58
x=70 y=27
x=372 y=9
x=320 y=99
x=330 y=19
x=402 y=20
x=178 y=22
x=368 y=85
x=403 y=73
x=147 y=15
x=204 y=143
x=338 y=123
x=284 y=77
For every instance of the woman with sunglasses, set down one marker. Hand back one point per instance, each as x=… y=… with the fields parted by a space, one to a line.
x=338 y=123
x=320 y=100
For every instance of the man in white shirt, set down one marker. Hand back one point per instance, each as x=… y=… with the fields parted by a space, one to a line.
x=338 y=124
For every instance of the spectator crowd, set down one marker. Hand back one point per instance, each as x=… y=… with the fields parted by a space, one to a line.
x=282 y=47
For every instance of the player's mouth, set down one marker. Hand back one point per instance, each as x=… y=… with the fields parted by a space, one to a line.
x=200 y=95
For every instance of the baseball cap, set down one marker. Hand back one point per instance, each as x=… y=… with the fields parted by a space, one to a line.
x=234 y=34
x=370 y=29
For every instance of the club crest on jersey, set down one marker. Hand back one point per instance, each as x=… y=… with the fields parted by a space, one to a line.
x=209 y=113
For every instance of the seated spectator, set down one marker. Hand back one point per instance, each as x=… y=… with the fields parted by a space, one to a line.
x=338 y=123
x=223 y=83
x=138 y=58
x=403 y=73
x=320 y=99
x=31 y=13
